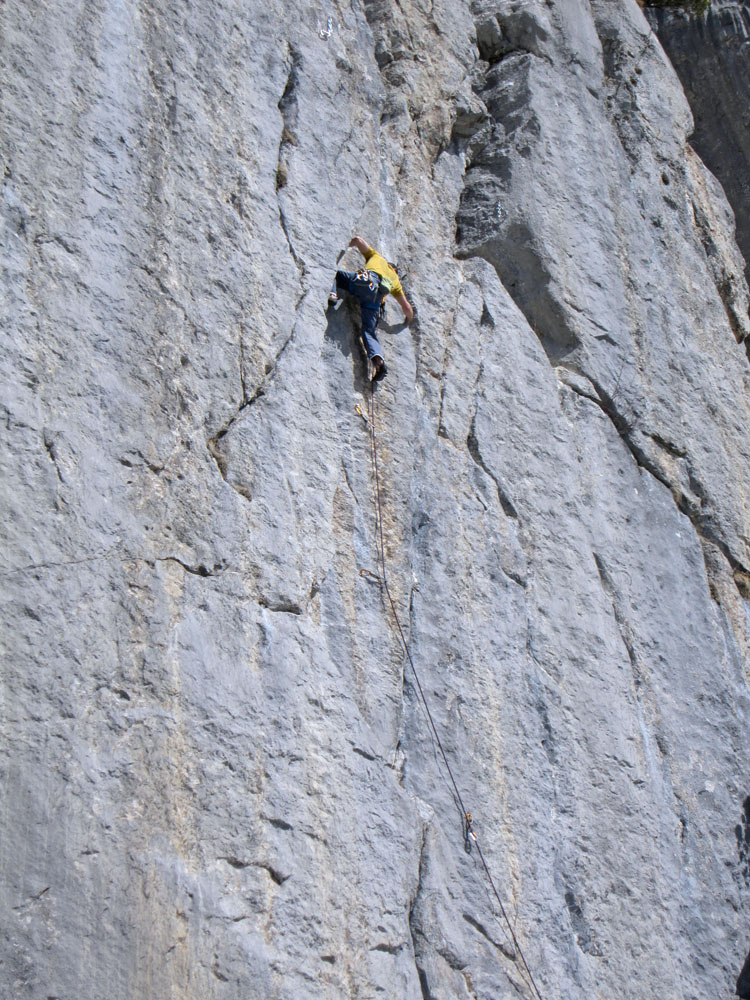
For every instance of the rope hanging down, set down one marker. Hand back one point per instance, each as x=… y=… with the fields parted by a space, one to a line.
x=469 y=834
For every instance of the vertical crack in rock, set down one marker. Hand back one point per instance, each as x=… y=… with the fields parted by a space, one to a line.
x=213 y=443
x=742 y=833
x=624 y=629
x=581 y=927
x=726 y=279
x=424 y=984
x=473 y=445
x=348 y=481
x=241 y=362
x=51 y=449
x=161 y=125
x=414 y=929
x=442 y=948
x=289 y=107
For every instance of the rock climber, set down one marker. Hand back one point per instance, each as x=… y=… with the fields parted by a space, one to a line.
x=370 y=286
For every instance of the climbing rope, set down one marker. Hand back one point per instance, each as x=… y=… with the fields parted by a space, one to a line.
x=470 y=836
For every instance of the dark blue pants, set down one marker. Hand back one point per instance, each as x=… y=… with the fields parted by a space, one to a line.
x=367 y=291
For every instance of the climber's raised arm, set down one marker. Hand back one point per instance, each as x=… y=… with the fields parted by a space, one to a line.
x=364 y=248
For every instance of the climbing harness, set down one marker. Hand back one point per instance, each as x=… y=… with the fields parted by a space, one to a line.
x=367 y=278
x=470 y=837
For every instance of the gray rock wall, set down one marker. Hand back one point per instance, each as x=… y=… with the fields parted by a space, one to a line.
x=218 y=780
x=712 y=57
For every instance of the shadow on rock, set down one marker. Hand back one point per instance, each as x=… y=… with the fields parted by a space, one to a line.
x=343 y=333
x=341 y=329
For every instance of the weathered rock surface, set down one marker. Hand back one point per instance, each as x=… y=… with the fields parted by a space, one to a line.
x=712 y=57
x=218 y=780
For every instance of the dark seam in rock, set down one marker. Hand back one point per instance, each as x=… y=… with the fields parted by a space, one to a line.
x=62 y=565
x=212 y=443
x=515 y=577
x=580 y=925
x=288 y=108
x=295 y=257
x=44 y=238
x=668 y=446
x=243 y=387
x=624 y=629
x=169 y=295
x=624 y=429
x=388 y=948
x=234 y=862
x=275 y=875
x=281 y=607
x=723 y=280
x=348 y=483
x=509 y=953
x=151 y=466
x=278 y=823
x=473 y=445
x=49 y=445
x=413 y=930
x=199 y=570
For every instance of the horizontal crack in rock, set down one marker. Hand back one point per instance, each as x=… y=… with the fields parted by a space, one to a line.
x=199 y=570
x=283 y=607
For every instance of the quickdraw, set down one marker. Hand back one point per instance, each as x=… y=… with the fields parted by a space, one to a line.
x=469 y=835
x=369 y=575
x=358 y=411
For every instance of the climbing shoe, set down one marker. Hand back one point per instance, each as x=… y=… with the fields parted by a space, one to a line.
x=380 y=372
x=334 y=300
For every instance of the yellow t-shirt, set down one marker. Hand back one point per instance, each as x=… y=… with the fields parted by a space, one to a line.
x=381 y=266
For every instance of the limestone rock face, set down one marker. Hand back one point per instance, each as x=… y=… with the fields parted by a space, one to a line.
x=712 y=57
x=219 y=780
